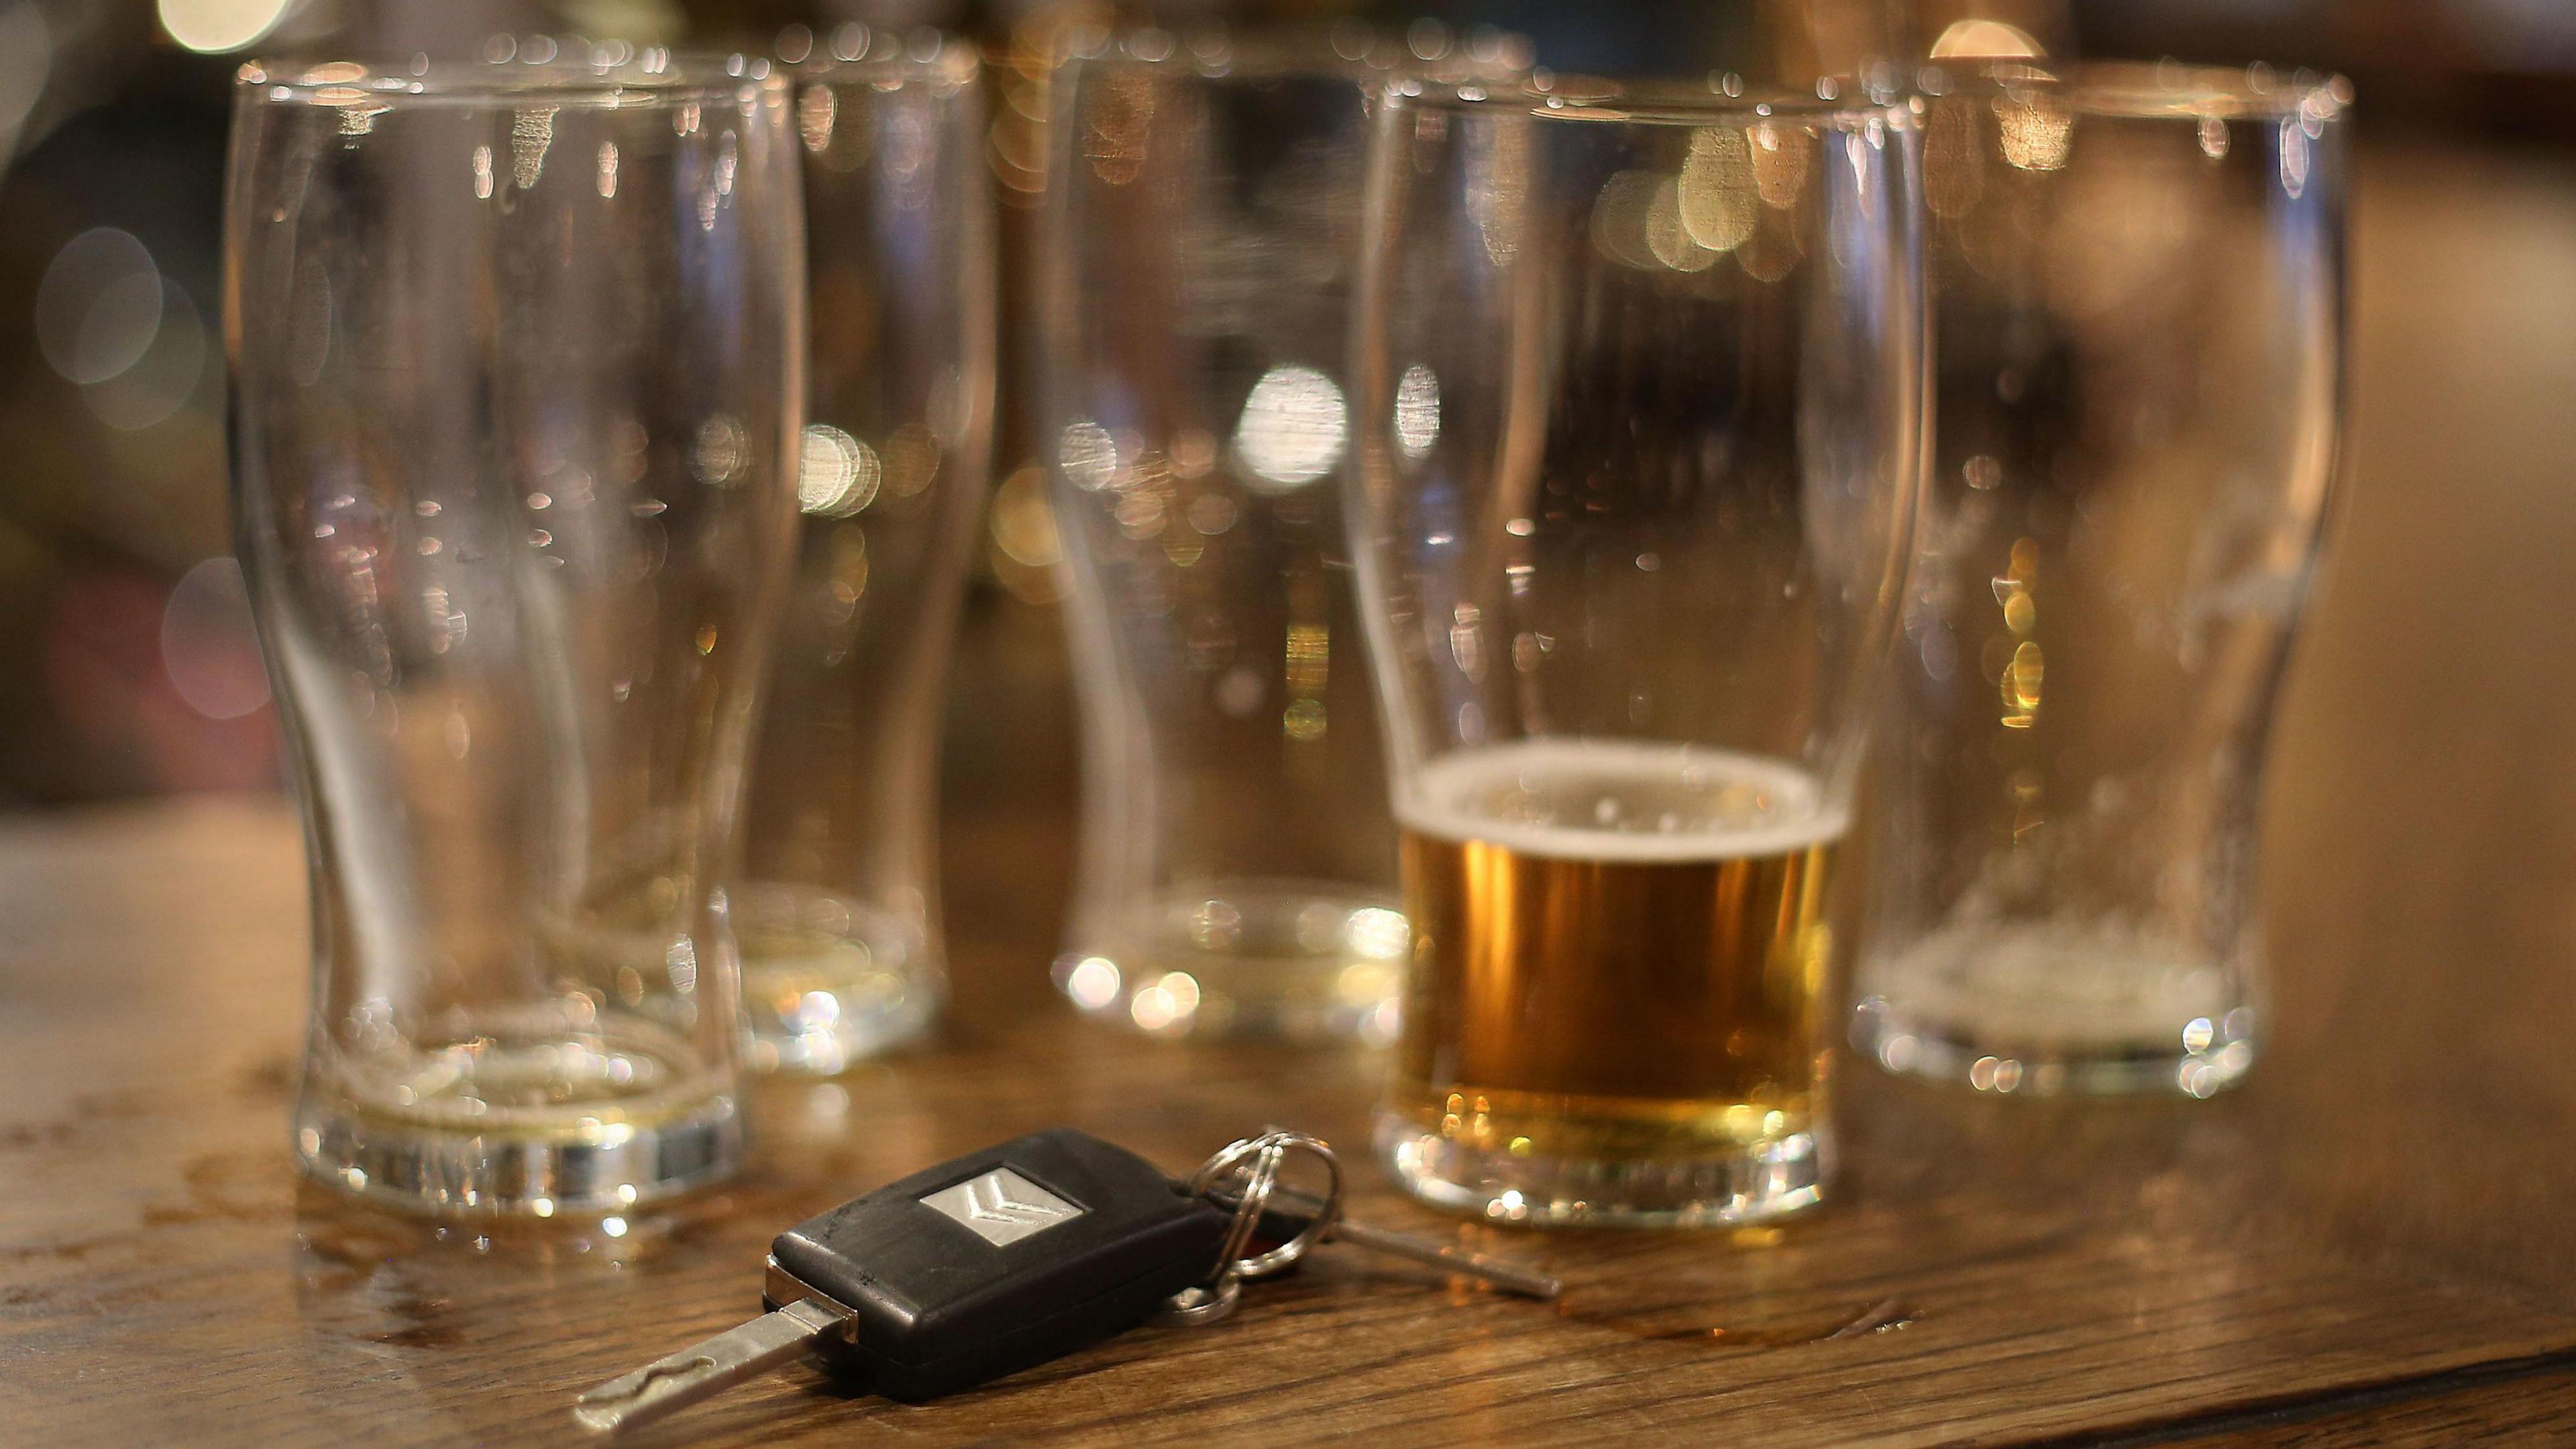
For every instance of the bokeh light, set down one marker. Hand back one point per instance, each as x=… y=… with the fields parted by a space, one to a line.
x=1417 y=410
x=207 y=644
x=162 y=379
x=98 y=306
x=838 y=475
x=219 y=25
x=26 y=55
x=1088 y=455
x=1984 y=39
x=1092 y=982
x=1292 y=429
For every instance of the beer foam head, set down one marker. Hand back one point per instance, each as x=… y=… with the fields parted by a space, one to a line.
x=1625 y=800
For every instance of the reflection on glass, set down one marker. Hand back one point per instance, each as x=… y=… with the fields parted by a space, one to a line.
x=2137 y=279
x=1237 y=859
x=512 y=453
x=839 y=909
x=1637 y=380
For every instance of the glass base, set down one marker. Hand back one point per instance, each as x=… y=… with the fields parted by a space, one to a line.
x=1303 y=960
x=1910 y=1044
x=2039 y=1007
x=515 y=1120
x=828 y=982
x=1729 y=1185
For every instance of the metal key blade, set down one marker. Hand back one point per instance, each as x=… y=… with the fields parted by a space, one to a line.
x=1508 y=1276
x=672 y=1384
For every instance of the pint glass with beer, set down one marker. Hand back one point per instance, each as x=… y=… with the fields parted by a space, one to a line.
x=1639 y=399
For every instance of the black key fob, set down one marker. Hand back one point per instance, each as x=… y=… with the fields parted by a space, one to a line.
x=995 y=1261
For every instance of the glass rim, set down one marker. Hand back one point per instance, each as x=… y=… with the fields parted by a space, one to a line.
x=1658 y=102
x=1350 y=50
x=611 y=75
x=2150 y=90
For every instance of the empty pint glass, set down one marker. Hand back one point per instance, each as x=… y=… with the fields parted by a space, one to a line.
x=2137 y=301
x=516 y=368
x=1237 y=867
x=838 y=910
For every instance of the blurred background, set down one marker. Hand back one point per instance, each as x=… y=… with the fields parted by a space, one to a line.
x=127 y=668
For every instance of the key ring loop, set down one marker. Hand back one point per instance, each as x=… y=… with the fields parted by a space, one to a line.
x=1206 y=1303
x=1268 y=1150
x=1215 y=1298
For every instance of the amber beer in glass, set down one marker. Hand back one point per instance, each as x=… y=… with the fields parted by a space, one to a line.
x=1640 y=376
x=1609 y=989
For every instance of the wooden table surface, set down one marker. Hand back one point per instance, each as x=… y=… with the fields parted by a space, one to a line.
x=2372 y=1241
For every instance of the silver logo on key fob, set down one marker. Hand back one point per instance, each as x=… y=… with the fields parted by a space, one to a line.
x=1001 y=1206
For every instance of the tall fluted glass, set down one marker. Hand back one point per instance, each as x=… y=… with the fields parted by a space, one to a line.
x=1638 y=392
x=1237 y=862
x=517 y=364
x=839 y=907
x=2138 y=297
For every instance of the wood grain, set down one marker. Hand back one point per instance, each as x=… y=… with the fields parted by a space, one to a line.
x=2531 y=1402
x=2343 y=1252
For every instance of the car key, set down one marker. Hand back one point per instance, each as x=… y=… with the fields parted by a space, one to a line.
x=1011 y=1256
